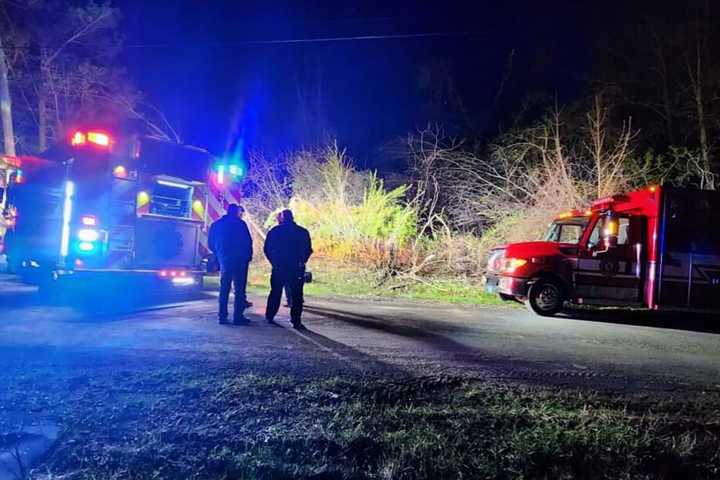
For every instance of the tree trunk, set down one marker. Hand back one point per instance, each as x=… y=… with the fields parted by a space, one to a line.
x=707 y=174
x=6 y=105
x=667 y=105
x=42 y=120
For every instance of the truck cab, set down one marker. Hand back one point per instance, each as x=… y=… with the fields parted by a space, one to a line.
x=656 y=248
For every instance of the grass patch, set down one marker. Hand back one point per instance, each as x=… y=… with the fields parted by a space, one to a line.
x=332 y=279
x=182 y=422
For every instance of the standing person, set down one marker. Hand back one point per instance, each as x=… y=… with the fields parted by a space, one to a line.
x=230 y=241
x=288 y=248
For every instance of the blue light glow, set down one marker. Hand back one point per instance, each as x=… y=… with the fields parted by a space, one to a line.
x=67 y=215
x=86 y=246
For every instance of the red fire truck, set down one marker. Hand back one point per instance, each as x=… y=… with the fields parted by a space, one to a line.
x=103 y=206
x=657 y=248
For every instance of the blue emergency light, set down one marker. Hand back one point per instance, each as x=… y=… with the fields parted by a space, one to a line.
x=229 y=172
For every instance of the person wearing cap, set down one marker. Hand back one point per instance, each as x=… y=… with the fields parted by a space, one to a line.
x=287 y=247
x=229 y=239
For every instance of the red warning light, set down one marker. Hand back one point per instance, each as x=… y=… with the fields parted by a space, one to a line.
x=78 y=139
x=100 y=139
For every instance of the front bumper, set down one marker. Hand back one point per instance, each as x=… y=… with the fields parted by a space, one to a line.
x=505 y=285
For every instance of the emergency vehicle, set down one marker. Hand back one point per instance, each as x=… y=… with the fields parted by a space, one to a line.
x=106 y=206
x=9 y=172
x=657 y=248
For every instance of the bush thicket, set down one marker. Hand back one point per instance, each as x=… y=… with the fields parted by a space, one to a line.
x=459 y=201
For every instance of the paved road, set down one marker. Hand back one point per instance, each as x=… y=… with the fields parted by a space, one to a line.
x=611 y=350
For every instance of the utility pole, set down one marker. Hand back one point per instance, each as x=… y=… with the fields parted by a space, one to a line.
x=6 y=105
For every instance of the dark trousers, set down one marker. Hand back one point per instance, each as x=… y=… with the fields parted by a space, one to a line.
x=292 y=279
x=236 y=276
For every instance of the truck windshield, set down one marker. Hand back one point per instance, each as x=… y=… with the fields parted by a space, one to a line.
x=566 y=230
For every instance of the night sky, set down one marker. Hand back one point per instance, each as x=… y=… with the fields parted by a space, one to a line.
x=192 y=59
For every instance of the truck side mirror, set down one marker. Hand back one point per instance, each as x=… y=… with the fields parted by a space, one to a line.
x=610 y=233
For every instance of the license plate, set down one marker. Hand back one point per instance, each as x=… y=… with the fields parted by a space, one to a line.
x=491 y=284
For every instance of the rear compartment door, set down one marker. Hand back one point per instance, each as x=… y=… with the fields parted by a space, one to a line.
x=166 y=242
x=690 y=250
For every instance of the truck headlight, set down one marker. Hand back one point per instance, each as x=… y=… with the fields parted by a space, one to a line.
x=495 y=261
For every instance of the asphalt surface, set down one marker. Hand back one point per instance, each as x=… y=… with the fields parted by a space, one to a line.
x=606 y=350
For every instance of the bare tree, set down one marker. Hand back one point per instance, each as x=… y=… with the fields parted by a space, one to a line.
x=609 y=156
x=6 y=105
x=695 y=75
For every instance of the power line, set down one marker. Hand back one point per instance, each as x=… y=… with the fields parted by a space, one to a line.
x=312 y=40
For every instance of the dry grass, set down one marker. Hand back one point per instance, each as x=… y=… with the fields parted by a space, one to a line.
x=248 y=421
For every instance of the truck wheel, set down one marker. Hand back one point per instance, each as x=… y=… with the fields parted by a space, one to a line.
x=546 y=297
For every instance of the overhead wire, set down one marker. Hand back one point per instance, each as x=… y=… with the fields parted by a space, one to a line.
x=290 y=41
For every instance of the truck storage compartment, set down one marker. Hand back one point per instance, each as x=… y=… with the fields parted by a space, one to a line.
x=39 y=225
x=161 y=242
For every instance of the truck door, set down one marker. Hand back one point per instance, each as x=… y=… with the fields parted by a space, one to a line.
x=612 y=274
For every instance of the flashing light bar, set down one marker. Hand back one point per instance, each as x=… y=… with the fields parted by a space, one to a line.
x=100 y=139
x=574 y=213
x=77 y=139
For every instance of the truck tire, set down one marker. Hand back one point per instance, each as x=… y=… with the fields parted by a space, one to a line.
x=546 y=297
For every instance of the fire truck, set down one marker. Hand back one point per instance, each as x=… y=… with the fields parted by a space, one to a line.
x=657 y=248
x=104 y=207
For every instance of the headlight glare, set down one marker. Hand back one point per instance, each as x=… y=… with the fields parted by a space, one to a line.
x=512 y=264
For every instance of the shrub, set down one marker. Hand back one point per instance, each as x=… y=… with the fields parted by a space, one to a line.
x=350 y=214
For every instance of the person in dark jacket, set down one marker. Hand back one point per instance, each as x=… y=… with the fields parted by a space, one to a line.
x=288 y=248
x=230 y=241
